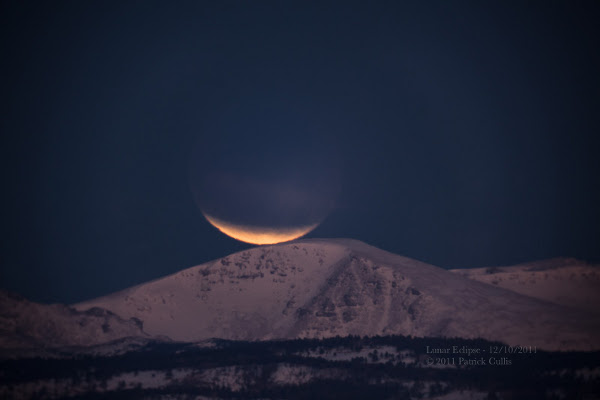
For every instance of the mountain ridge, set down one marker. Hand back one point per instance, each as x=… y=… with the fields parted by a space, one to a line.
x=564 y=281
x=329 y=287
x=26 y=324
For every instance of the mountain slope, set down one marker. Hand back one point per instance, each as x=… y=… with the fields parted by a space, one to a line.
x=565 y=281
x=25 y=324
x=323 y=288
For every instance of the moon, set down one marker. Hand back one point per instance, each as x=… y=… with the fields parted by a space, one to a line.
x=259 y=210
x=264 y=175
x=259 y=234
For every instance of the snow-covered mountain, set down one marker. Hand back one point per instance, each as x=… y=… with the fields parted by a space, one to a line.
x=25 y=324
x=324 y=288
x=565 y=281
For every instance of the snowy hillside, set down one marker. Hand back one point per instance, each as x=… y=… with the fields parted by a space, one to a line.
x=324 y=288
x=25 y=324
x=564 y=281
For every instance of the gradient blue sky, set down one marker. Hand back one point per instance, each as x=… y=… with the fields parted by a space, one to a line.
x=468 y=131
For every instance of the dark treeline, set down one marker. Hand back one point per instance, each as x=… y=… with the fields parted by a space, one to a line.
x=529 y=376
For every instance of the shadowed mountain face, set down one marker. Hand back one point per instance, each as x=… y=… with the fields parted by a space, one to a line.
x=324 y=288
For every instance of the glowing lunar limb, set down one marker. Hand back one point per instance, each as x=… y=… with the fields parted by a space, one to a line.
x=259 y=234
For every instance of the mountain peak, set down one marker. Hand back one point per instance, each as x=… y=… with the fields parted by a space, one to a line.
x=329 y=287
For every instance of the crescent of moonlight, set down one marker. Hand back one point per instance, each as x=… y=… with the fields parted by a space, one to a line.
x=259 y=234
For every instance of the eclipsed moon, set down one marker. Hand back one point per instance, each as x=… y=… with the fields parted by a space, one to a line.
x=259 y=234
x=264 y=176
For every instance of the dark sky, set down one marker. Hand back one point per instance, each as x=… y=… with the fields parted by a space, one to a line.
x=468 y=132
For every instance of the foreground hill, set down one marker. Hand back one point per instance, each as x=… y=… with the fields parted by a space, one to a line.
x=324 y=288
x=390 y=367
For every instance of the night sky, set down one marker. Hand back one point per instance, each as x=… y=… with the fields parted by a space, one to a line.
x=467 y=133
